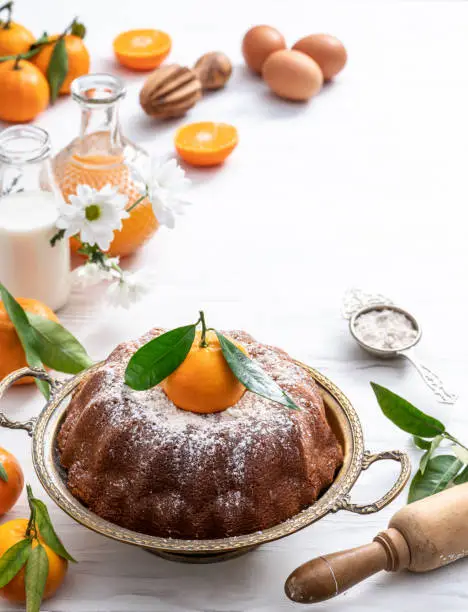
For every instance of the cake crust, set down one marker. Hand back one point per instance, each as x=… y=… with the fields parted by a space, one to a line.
x=138 y=461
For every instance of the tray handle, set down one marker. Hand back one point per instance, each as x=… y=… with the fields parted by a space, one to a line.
x=12 y=378
x=367 y=460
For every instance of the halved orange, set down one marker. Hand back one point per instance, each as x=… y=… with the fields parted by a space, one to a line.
x=205 y=143
x=142 y=49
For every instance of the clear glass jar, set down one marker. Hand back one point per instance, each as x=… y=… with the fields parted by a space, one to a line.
x=101 y=155
x=29 y=207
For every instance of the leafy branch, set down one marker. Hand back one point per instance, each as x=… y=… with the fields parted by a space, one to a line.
x=31 y=554
x=44 y=341
x=57 y=69
x=436 y=472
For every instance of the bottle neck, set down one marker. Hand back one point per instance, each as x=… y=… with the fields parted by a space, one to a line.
x=100 y=134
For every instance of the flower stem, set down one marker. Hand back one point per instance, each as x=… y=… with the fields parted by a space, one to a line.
x=453 y=439
x=140 y=199
x=203 y=342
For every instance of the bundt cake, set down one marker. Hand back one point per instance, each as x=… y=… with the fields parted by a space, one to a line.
x=138 y=461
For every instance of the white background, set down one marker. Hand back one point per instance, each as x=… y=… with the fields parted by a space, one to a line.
x=364 y=186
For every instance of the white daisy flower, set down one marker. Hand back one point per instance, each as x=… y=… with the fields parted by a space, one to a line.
x=92 y=273
x=130 y=288
x=94 y=215
x=163 y=182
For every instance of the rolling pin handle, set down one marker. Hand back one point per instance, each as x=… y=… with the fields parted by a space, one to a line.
x=328 y=576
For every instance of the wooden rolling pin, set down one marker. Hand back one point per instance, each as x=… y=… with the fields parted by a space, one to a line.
x=420 y=537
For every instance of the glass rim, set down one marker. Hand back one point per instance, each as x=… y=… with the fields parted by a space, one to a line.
x=38 y=150
x=112 y=86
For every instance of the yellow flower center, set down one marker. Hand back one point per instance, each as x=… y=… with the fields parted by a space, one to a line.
x=92 y=212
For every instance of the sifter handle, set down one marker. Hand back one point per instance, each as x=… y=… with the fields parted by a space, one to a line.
x=325 y=577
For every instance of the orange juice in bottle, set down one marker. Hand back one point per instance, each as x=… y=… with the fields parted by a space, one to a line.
x=101 y=155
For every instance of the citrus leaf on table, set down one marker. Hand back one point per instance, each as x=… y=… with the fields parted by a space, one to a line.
x=439 y=473
x=57 y=69
x=462 y=476
x=37 y=570
x=3 y=473
x=406 y=416
x=25 y=334
x=57 y=347
x=428 y=454
x=154 y=361
x=47 y=531
x=251 y=374
x=421 y=443
x=13 y=560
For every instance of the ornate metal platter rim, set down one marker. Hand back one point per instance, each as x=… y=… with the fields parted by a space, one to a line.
x=45 y=429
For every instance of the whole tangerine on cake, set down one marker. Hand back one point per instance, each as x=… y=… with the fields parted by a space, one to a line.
x=206 y=143
x=142 y=49
x=204 y=382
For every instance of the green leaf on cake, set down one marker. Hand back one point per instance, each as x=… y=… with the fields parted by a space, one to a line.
x=3 y=473
x=251 y=374
x=439 y=473
x=25 y=333
x=47 y=531
x=57 y=347
x=406 y=416
x=37 y=570
x=13 y=560
x=157 y=359
x=57 y=69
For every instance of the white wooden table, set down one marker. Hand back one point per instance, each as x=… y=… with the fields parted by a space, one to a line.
x=365 y=186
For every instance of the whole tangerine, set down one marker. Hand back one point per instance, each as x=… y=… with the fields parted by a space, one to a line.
x=12 y=355
x=204 y=382
x=24 y=91
x=78 y=59
x=14 y=38
x=10 y=534
x=10 y=490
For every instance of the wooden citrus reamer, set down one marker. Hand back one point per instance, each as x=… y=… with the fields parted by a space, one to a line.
x=420 y=537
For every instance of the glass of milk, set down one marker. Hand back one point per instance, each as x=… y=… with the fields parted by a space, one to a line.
x=29 y=205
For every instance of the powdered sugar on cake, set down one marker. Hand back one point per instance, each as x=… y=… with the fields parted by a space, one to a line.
x=137 y=460
x=200 y=434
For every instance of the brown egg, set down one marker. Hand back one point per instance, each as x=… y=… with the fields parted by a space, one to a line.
x=260 y=42
x=326 y=50
x=292 y=75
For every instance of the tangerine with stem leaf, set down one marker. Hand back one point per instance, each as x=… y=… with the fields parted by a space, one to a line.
x=12 y=356
x=24 y=91
x=49 y=563
x=204 y=382
x=14 y=37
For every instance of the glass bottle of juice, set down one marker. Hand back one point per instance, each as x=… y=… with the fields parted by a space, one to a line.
x=101 y=155
x=30 y=267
